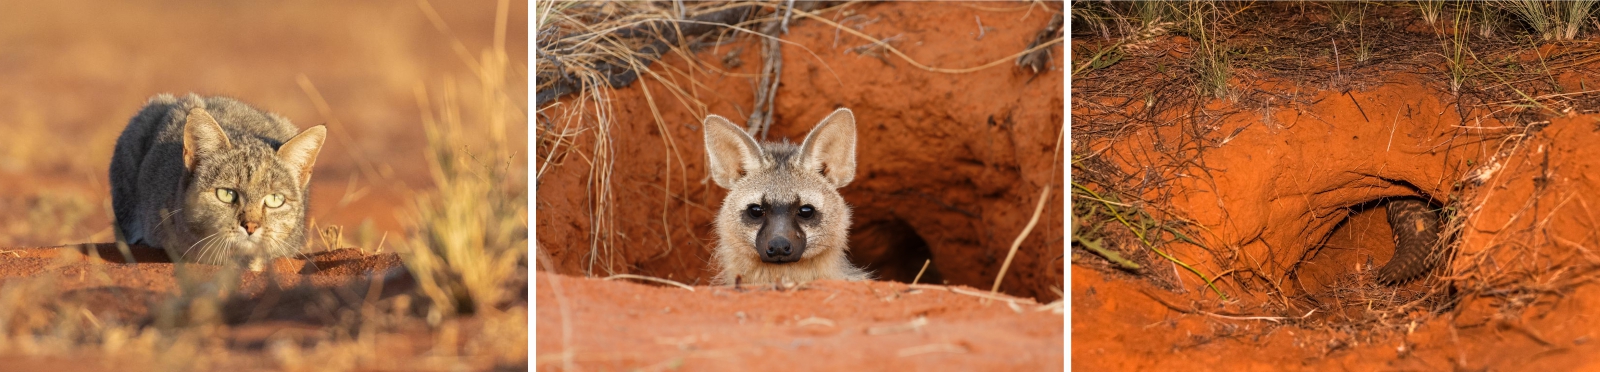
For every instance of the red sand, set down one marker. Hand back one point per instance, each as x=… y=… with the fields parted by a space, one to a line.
x=822 y=326
x=1278 y=190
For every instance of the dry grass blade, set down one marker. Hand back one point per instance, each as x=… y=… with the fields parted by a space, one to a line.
x=650 y=279
x=931 y=348
x=590 y=48
x=581 y=47
x=913 y=62
x=923 y=270
x=815 y=321
x=599 y=42
x=978 y=294
x=1044 y=195
x=911 y=326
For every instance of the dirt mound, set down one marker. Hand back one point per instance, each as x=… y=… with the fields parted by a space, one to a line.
x=312 y=302
x=1284 y=185
x=152 y=276
x=1510 y=325
x=874 y=325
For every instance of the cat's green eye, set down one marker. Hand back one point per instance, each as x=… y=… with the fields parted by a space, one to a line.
x=226 y=195
x=274 y=201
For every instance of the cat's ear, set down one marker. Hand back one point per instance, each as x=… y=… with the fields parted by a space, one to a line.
x=301 y=151
x=201 y=137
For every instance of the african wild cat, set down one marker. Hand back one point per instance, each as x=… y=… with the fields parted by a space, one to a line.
x=213 y=180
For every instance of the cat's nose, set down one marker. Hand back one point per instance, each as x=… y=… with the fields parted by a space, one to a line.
x=250 y=227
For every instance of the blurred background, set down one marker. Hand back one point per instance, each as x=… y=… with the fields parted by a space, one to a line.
x=73 y=72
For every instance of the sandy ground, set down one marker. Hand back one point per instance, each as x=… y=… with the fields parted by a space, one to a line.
x=827 y=325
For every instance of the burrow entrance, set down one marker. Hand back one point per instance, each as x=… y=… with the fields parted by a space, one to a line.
x=892 y=250
x=1338 y=274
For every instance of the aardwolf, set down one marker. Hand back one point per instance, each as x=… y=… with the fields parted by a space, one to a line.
x=783 y=219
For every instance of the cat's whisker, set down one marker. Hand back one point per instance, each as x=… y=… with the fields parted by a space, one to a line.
x=197 y=242
x=225 y=252
x=167 y=217
x=226 y=245
x=282 y=246
x=209 y=251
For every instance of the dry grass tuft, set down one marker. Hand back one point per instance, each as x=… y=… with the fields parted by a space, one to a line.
x=589 y=48
x=469 y=238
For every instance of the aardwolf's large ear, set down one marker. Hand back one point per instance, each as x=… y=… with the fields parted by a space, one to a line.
x=830 y=149
x=733 y=152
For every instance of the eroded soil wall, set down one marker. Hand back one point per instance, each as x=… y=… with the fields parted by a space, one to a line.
x=1288 y=176
x=950 y=162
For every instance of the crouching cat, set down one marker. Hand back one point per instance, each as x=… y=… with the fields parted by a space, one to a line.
x=213 y=180
x=783 y=219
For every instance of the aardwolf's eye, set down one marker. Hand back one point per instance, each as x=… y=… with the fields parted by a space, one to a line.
x=754 y=210
x=806 y=211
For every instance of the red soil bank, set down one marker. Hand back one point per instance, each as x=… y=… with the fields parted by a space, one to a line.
x=1279 y=189
x=949 y=167
x=952 y=162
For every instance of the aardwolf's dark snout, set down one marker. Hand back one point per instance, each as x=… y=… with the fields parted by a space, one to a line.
x=780 y=240
x=780 y=250
x=776 y=245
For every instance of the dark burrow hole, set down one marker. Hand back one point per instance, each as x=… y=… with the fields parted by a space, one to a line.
x=892 y=250
x=1337 y=274
x=1362 y=237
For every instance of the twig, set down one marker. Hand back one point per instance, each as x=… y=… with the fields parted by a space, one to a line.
x=919 y=272
x=771 y=72
x=1543 y=97
x=652 y=279
x=788 y=13
x=1184 y=310
x=980 y=26
x=978 y=294
x=930 y=348
x=1142 y=240
x=911 y=326
x=1358 y=106
x=1037 y=209
x=1044 y=195
x=1040 y=59
x=1392 y=125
